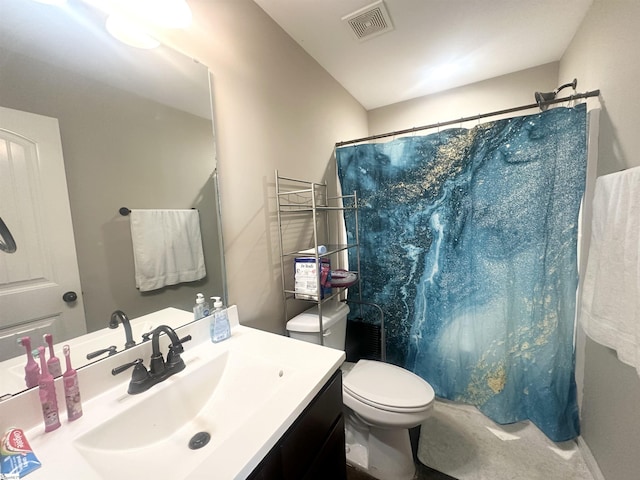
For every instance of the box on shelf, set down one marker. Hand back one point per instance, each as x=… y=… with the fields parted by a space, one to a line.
x=306 y=278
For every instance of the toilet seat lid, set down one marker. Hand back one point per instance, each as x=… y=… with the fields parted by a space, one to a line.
x=387 y=386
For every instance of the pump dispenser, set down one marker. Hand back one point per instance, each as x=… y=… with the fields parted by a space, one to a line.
x=201 y=308
x=219 y=328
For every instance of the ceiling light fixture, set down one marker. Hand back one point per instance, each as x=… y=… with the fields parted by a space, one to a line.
x=157 y=13
x=129 y=34
x=130 y=20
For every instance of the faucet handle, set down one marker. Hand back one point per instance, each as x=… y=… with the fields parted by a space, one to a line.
x=174 y=361
x=112 y=349
x=175 y=349
x=126 y=366
x=140 y=378
x=178 y=348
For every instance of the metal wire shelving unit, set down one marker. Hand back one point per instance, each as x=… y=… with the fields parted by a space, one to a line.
x=300 y=202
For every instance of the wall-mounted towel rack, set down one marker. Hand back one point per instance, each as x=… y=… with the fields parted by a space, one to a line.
x=124 y=211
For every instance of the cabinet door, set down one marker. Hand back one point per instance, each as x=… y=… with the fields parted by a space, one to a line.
x=331 y=462
x=304 y=441
x=270 y=468
x=314 y=445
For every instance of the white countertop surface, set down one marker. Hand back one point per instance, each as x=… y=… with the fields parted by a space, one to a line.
x=305 y=367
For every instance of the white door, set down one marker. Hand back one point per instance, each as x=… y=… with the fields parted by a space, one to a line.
x=34 y=205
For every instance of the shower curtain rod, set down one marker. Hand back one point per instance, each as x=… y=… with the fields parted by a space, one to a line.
x=593 y=93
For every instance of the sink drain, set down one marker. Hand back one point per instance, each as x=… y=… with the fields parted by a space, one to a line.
x=199 y=440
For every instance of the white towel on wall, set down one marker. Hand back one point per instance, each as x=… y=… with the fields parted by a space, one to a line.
x=610 y=306
x=167 y=247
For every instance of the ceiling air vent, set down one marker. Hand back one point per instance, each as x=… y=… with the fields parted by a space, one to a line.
x=370 y=21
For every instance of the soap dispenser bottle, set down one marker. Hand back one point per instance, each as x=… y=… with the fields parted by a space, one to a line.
x=47 y=392
x=201 y=308
x=219 y=328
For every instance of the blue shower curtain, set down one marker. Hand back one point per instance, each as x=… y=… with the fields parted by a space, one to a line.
x=468 y=243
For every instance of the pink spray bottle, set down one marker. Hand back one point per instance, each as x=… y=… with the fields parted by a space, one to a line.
x=71 y=388
x=48 y=400
x=53 y=364
x=31 y=369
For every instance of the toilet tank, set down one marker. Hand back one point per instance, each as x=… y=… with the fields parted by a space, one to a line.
x=306 y=326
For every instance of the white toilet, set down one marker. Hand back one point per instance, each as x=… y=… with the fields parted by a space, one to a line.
x=382 y=401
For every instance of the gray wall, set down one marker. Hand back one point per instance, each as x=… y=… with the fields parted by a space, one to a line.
x=604 y=55
x=498 y=93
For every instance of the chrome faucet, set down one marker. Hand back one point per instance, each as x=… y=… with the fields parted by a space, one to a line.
x=120 y=317
x=159 y=370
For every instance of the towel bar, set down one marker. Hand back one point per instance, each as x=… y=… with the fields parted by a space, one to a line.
x=124 y=211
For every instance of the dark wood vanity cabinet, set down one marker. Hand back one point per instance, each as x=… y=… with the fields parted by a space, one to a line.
x=313 y=447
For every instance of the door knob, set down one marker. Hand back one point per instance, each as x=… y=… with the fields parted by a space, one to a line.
x=70 y=297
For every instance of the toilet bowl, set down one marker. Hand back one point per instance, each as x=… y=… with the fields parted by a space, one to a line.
x=382 y=401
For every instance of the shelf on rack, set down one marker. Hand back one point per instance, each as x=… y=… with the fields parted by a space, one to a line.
x=331 y=249
x=299 y=208
x=291 y=295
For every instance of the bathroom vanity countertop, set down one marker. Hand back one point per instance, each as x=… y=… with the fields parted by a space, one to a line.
x=239 y=441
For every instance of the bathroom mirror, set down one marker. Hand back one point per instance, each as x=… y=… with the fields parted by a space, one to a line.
x=136 y=131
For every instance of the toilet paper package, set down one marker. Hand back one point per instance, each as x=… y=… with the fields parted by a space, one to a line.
x=306 y=278
x=17 y=458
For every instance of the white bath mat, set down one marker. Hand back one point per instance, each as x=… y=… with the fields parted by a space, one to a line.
x=460 y=441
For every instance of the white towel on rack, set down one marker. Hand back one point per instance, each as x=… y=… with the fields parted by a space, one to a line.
x=167 y=247
x=610 y=306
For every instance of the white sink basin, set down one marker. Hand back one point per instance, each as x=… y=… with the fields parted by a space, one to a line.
x=244 y=392
x=214 y=394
